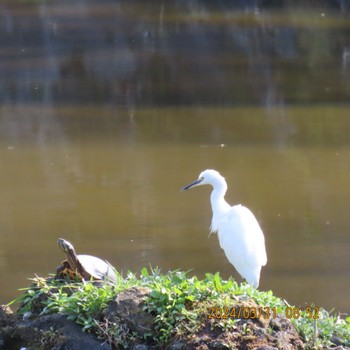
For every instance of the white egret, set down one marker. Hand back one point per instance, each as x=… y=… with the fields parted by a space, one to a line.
x=239 y=233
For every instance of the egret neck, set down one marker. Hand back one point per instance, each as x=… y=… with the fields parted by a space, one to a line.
x=218 y=204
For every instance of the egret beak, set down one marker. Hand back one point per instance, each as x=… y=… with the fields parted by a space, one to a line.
x=192 y=184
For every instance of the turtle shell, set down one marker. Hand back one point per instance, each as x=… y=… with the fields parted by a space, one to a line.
x=98 y=269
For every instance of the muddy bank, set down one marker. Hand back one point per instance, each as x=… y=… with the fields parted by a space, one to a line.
x=162 y=311
x=126 y=313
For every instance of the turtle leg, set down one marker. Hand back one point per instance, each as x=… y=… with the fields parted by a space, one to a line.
x=66 y=272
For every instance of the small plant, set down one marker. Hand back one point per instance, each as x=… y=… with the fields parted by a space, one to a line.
x=321 y=331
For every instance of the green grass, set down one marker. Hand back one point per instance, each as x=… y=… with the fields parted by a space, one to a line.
x=181 y=305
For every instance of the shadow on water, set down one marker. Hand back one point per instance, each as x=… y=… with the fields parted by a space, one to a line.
x=108 y=109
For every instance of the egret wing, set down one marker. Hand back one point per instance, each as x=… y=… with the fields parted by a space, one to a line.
x=242 y=239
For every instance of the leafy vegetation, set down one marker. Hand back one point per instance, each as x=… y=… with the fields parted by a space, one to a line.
x=180 y=304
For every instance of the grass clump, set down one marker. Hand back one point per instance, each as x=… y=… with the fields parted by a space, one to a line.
x=180 y=304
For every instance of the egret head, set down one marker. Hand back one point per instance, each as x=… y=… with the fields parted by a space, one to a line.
x=206 y=177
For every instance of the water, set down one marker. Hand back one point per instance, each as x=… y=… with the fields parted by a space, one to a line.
x=107 y=111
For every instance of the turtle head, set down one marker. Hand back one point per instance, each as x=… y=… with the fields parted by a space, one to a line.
x=65 y=246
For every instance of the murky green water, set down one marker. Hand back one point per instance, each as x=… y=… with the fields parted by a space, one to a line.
x=106 y=114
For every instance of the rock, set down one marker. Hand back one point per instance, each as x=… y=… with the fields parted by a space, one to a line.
x=140 y=347
x=7 y=320
x=177 y=345
x=53 y=332
x=284 y=335
x=129 y=307
x=6 y=315
x=337 y=341
x=218 y=345
x=5 y=311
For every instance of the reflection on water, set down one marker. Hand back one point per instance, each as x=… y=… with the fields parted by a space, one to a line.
x=125 y=53
x=108 y=110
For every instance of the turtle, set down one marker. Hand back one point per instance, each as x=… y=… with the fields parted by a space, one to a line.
x=85 y=267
